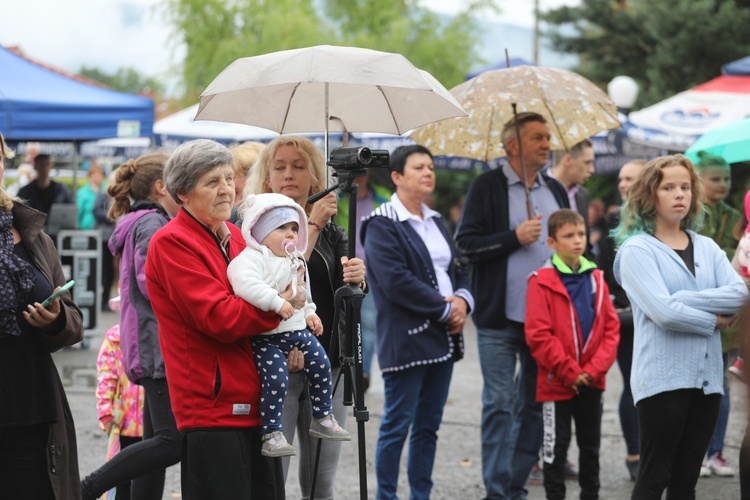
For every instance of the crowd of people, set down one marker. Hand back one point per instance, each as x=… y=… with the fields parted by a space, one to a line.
x=228 y=352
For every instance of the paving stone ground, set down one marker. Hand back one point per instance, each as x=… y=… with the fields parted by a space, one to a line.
x=457 y=472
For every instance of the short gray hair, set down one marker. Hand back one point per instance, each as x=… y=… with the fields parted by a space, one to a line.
x=189 y=162
x=509 y=129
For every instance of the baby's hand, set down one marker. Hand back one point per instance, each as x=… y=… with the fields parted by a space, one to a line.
x=287 y=310
x=315 y=325
x=287 y=294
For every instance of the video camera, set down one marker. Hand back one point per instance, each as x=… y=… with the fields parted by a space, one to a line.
x=358 y=158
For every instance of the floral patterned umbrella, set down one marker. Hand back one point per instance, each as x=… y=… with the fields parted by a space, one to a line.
x=574 y=107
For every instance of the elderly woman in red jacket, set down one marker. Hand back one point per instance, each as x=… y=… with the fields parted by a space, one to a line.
x=204 y=332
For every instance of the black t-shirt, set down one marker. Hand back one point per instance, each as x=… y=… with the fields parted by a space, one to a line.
x=322 y=294
x=46 y=197
x=687 y=255
x=27 y=383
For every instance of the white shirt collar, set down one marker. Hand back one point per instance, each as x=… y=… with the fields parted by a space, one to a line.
x=404 y=214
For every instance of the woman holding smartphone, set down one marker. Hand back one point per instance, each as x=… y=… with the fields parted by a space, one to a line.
x=37 y=437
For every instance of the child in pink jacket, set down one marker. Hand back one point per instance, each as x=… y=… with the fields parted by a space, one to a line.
x=119 y=402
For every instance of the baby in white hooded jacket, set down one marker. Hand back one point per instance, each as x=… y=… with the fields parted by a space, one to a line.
x=275 y=229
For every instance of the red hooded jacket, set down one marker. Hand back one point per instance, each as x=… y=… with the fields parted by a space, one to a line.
x=554 y=337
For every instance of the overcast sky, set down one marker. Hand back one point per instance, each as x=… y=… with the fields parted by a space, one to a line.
x=110 y=34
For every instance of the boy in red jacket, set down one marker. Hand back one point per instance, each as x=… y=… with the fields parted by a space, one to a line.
x=572 y=331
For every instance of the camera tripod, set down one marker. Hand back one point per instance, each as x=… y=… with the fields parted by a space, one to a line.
x=348 y=301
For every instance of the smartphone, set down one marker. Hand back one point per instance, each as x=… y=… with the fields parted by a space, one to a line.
x=67 y=286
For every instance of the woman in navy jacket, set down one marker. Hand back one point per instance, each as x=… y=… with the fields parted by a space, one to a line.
x=422 y=298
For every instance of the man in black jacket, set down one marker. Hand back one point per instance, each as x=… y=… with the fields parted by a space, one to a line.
x=505 y=245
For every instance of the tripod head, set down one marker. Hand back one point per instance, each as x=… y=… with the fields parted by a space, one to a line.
x=350 y=163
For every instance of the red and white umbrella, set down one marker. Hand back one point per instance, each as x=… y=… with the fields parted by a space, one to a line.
x=675 y=123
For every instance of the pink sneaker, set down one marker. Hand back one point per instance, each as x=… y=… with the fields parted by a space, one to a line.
x=738 y=369
x=719 y=466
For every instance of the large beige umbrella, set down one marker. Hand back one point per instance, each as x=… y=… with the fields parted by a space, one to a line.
x=326 y=88
x=574 y=107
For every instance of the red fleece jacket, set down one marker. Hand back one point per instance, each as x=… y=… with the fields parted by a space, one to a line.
x=554 y=337
x=204 y=330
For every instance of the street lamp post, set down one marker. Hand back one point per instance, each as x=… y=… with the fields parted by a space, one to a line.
x=624 y=91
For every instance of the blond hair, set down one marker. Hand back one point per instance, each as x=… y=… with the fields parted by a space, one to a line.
x=5 y=151
x=6 y=200
x=259 y=181
x=245 y=155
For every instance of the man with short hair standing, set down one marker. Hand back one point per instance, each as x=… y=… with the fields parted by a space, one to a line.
x=572 y=170
x=42 y=192
x=505 y=245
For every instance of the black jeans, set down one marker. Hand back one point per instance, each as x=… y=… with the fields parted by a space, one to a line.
x=586 y=410
x=226 y=463
x=675 y=429
x=108 y=274
x=123 y=489
x=23 y=463
x=144 y=463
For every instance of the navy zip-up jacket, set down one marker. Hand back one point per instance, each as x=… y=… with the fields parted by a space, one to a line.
x=485 y=238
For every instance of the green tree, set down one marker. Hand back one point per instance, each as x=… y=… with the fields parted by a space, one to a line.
x=216 y=32
x=444 y=47
x=667 y=46
x=124 y=80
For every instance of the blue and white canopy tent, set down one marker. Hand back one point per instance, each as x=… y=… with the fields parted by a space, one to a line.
x=59 y=111
x=38 y=103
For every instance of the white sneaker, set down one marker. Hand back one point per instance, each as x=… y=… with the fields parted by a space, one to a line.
x=719 y=466
x=705 y=471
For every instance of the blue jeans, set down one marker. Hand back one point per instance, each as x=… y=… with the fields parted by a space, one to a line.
x=368 y=318
x=414 y=401
x=511 y=417
x=717 y=440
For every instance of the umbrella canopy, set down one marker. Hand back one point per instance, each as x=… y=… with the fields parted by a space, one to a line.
x=504 y=63
x=738 y=67
x=181 y=127
x=731 y=142
x=574 y=107
x=677 y=122
x=327 y=88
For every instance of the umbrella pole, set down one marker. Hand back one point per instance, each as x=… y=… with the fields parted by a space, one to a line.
x=529 y=209
x=326 y=134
